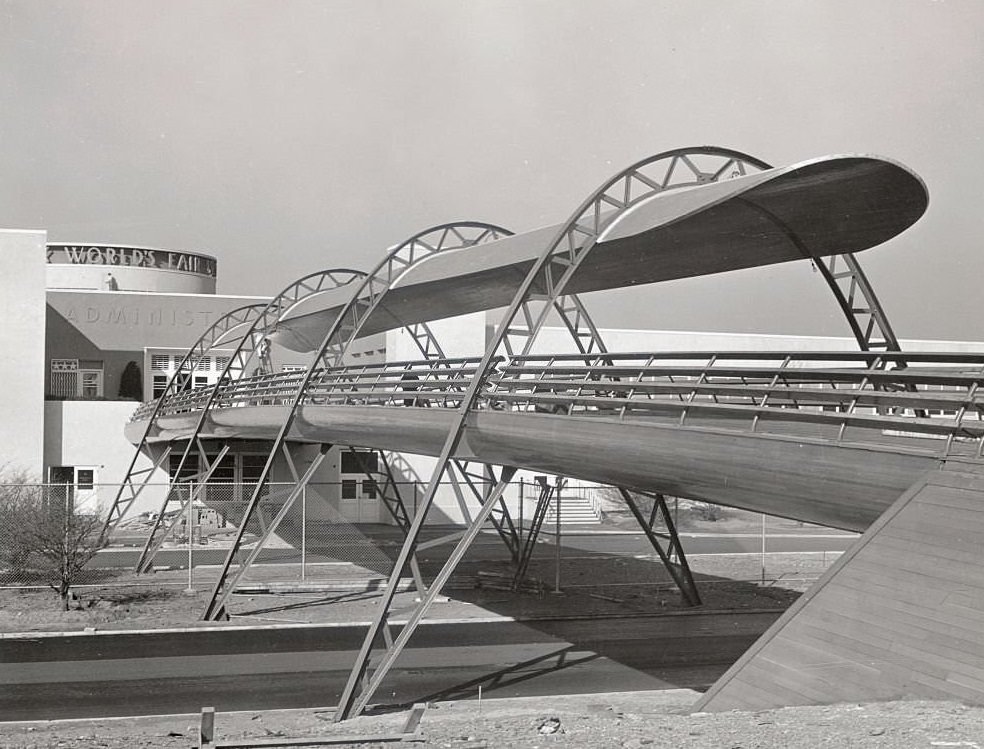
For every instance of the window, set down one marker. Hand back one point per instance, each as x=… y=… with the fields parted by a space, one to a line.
x=350 y=489
x=224 y=472
x=368 y=488
x=360 y=461
x=189 y=469
x=76 y=380
x=197 y=372
x=252 y=468
x=85 y=478
x=74 y=487
x=91 y=385
x=160 y=385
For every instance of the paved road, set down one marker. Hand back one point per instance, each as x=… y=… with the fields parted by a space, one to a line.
x=100 y=675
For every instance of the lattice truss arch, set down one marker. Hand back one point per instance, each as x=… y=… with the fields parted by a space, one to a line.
x=545 y=283
x=347 y=327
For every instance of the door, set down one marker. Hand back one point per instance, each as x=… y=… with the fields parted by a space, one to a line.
x=359 y=495
x=76 y=485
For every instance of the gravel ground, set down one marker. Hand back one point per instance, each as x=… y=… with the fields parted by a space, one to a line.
x=598 y=721
x=612 y=585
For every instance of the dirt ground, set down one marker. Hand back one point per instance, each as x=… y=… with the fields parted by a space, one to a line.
x=598 y=721
x=623 y=586
x=588 y=586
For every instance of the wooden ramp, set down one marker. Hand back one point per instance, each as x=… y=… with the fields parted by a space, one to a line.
x=899 y=615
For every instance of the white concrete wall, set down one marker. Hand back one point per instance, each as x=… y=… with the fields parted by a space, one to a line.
x=90 y=434
x=93 y=278
x=458 y=336
x=22 y=365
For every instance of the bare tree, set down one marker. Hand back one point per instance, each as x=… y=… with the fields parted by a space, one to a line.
x=43 y=538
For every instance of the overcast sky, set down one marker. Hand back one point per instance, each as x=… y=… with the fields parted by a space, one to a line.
x=287 y=137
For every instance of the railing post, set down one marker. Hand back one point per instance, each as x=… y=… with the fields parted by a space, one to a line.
x=522 y=505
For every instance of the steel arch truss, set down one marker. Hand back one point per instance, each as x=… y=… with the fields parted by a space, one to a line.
x=348 y=326
x=539 y=292
x=545 y=284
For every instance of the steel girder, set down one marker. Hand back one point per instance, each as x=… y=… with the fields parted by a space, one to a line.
x=381 y=625
x=544 y=284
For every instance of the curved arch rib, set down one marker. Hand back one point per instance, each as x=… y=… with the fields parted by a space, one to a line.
x=369 y=297
x=570 y=309
x=851 y=289
x=547 y=280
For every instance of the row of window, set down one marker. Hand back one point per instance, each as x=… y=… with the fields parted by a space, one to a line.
x=169 y=362
x=246 y=469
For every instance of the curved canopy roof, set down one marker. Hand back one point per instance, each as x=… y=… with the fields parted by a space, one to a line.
x=827 y=206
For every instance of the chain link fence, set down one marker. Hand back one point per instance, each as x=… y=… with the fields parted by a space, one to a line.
x=344 y=536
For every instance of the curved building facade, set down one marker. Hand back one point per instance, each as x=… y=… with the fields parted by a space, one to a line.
x=103 y=267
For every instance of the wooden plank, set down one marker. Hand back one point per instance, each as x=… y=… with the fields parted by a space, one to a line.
x=784 y=678
x=910 y=565
x=857 y=670
x=930 y=617
x=879 y=622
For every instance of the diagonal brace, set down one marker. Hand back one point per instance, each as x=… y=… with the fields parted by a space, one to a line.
x=156 y=540
x=393 y=651
x=226 y=584
x=679 y=570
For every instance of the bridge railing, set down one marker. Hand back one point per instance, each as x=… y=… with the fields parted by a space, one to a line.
x=919 y=393
x=929 y=394
x=407 y=383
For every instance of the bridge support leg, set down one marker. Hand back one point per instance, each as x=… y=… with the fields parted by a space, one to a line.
x=500 y=518
x=134 y=484
x=539 y=514
x=194 y=485
x=351 y=704
x=672 y=556
x=226 y=584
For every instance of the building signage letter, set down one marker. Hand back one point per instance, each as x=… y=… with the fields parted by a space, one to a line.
x=135 y=257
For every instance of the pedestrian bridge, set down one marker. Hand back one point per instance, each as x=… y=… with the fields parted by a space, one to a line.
x=881 y=440
x=831 y=438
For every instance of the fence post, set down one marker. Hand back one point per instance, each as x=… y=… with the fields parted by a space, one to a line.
x=522 y=504
x=560 y=484
x=763 y=548
x=190 y=522
x=304 y=533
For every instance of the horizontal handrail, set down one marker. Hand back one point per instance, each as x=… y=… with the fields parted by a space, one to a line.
x=907 y=392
